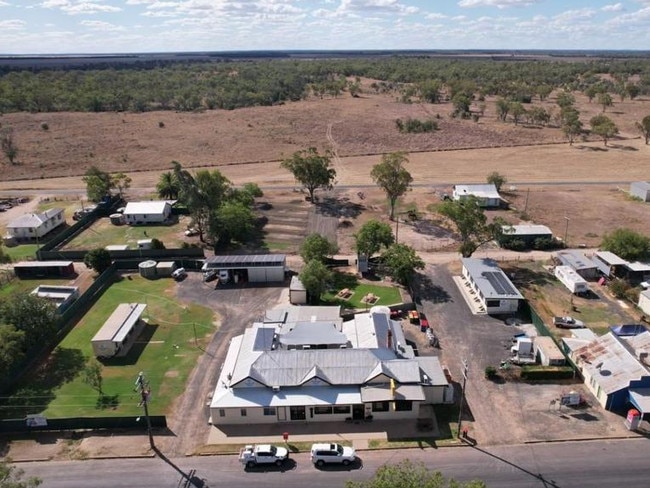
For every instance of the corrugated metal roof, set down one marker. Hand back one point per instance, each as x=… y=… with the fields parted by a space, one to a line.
x=308 y=333
x=42 y=264
x=640 y=397
x=431 y=367
x=382 y=393
x=246 y=260
x=610 y=258
x=154 y=207
x=526 y=230
x=575 y=259
x=549 y=348
x=120 y=323
x=266 y=397
x=30 y=220
x=485 y=273
x=480 y=191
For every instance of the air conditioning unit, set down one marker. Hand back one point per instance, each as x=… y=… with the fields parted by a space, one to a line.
x=276 y=388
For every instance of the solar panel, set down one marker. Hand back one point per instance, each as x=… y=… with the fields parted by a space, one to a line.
x=500 y=283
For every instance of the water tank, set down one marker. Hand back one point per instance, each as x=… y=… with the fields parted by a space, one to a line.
x=117 y=219
x=147 y=269
x=633 y=419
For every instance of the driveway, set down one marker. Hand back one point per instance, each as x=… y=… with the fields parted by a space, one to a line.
x=237 y=307
x=508 y=412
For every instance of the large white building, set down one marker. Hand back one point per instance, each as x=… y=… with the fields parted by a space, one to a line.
x=153 y=212
x=305 y=364
x=490 y=287
x=33 y=226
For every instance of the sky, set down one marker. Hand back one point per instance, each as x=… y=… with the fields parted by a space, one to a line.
x=123 y=26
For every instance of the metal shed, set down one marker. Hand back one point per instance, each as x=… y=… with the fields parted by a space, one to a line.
x=253 y=268
x=640 y=189
x=37 y=269
x=120 y=330
x=297 y=292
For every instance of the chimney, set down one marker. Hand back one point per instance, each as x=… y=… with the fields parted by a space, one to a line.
x=389 y=339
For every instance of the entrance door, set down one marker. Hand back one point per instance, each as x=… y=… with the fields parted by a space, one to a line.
x=282 y=414
x=297 y=413
x=358 y=412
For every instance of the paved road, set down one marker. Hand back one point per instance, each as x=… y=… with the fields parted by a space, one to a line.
x=561 y=465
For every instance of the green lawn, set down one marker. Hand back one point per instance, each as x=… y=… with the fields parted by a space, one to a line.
x=166 y=351
x=17 y=285
x=23 y=252
x=102 y=233
x=388 y=295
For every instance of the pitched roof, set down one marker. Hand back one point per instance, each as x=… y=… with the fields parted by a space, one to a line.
x=480 y=191
x=30 y=220
x=148 y=207
x=490 y=279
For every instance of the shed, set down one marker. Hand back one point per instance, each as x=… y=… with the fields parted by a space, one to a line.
x=644 y=301
x=39 y=269
x=547 y=352
x=607 y=262
x=297 y=292
x=120 y=330
x=640 y=189
x=579 y=262
x=117 y=247
x=61 y=296
x=526 y=233
x=153 y=212
x=165 y=268
x=253 y=268
x=145 y=243
x=487 y=194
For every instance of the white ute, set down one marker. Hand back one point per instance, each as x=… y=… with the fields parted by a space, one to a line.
x=250 y=456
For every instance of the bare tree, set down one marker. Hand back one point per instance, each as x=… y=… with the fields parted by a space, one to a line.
x=8 y=144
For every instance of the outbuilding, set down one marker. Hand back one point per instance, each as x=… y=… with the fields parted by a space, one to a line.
x=61 y=296
x=252 y=268
x=153 y=212
x=525 y=233
x=644 y=302
x=490 y=287
x=297 y=292
x=640 y=189
x=40 y=269
x=579 y=262
x=120 y=330
x=164 y=269
x=547 y=352
x=486 y=194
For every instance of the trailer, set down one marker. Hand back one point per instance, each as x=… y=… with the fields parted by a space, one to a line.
x=575 y=283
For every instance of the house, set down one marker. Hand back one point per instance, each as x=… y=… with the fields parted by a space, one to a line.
x=32 y=226
x=490 y=287
x=644 y=302
x=525 y=233
x=615 y=369
x=120 y=330
x=487 y=195
x=61 y=296
x=288 y=369
x=253 y=268
x=577 y=261
x=152 y=212
x=640 y=189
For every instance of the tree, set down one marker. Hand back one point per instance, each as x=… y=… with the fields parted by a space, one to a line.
x=591 y=91
x=644 y=127
x=407 y=474
x=503 y=107
x=12 y=477
x=372 y=237
x=35 y=317
x=565 y=99
x=627 y=244
x=497 y=179
x=121 y=182
x=312 y=170
x=517 y=110
x=315 y=277
x=605 y=99
x=98 y=184
x=471 y=222
x=11 y=346
x=157 y=244
x=461 y=103
x=430 y=91
x=571 y=124
x=92 y=375
x=391 y=176
x=253 y=190
x=167 y=186
x=604 y=127
x=98 y=260
x=400 y=261
x=543 y=91
x=632 y=90
x=233 y=221
x=8 y=145
x=316 y=247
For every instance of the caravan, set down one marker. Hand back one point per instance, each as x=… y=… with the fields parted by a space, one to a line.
x=572 y=280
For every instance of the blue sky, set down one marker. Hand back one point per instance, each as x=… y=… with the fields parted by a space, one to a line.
x=109 y=26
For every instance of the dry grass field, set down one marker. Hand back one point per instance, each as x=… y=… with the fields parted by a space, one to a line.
x=585 y=182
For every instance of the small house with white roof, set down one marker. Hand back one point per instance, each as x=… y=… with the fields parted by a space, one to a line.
x=152 y=212
x=490 y=287
x=32 y=226
x=487 y=194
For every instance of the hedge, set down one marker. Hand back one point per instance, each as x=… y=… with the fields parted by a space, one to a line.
x=546 y=372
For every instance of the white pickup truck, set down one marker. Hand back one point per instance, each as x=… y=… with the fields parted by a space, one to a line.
x=568 y=323
x=250 y=456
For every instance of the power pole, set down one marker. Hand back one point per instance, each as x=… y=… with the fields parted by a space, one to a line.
x=462 y=397
x=142 y=385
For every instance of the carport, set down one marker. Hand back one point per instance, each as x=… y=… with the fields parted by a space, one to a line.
x=254 y=268
x=640 y=398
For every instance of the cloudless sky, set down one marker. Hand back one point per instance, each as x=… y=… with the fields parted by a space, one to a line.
x=110 y=26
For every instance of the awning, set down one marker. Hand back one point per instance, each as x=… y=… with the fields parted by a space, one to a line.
x=285 y=397
x=640 y=398
x=383 y=393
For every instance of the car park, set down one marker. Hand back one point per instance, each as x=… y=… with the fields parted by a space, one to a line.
x=322 y=454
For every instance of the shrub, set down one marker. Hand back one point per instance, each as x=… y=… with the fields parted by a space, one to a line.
x=45 y=126
x=416 y=126
x=161 y=124
x=619 y=287
x=537 y=373
x=490 y=372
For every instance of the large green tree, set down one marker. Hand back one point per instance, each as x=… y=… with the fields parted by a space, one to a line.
x=12 y=350
x=98 y=184
x=644 y=127
x=627 y=244
x=317 y=247
x=372 y=237
x=401 y=262
x=35 y=317
x=392 y=177
x=121 y=182
x=167 y=186
x=316 y=278
x=471 y=222
x=497 y=179
x=605 y=99
x=234 y=221
x=603 y=126
x=312 y=170
x=407 y=474
x=571 y=124
x=99 y=260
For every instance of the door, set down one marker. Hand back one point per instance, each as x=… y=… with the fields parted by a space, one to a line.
x=282 y=414
x=297 y=413
x=358 y=412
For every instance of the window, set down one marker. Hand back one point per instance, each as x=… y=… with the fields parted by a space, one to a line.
x=341 y=408
x=242 y=412
x=297 y=413
x=269 y=410
x=380 y=406
x=493 y=303
x=323 y=410
x=403 y=405
x=222 y=412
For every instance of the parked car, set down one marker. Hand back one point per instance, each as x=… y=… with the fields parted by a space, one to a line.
x=322 y=454
x=414 y=317
x=568 y=323
x=192 y=232
x=251 y=456
x=179 y=274
x=210 y=275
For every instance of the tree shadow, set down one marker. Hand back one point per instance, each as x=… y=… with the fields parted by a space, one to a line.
x=433 y=229
x=623 y=147
x=592 y=148
x=526 y=278
x=335 y=207
x=423 y=288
